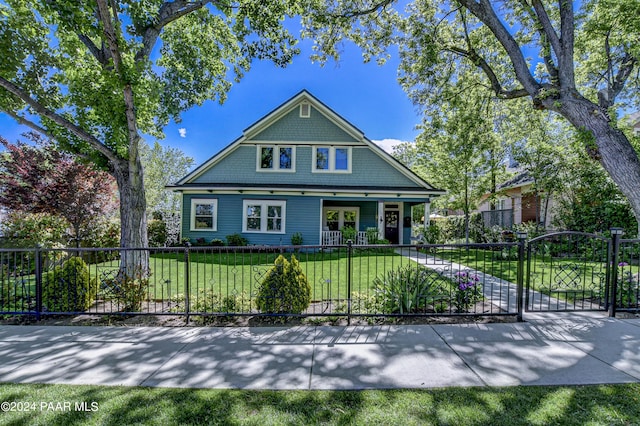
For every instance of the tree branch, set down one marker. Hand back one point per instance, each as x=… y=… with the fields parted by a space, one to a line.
x=104 y=15
x=26 y=122
x=58 y=119
x=362 y=12
x=483 y=10
x=547 y=33
x=101 y=56
x=626 y=68
x=496 y=86
x=565 y=54
x=547 y=27
x=168 y=12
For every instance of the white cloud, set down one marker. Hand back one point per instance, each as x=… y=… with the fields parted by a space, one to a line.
x=183 y=132
x=388 y=144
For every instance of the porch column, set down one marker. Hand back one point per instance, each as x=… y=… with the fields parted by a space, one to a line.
x=427 y=213
x=381 y=219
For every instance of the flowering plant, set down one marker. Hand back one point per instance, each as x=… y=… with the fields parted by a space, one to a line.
x=468 y=290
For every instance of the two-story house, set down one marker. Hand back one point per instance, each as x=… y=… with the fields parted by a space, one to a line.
x=302 y=169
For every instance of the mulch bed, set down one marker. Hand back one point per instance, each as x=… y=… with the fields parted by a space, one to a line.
x=156 y=314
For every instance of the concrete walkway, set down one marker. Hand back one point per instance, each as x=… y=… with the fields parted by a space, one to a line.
x=567 y=348
x=497 y=291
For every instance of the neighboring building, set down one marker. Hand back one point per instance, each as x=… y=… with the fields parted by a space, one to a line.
x=635 y=122
x=301 y=169
x=517 y=204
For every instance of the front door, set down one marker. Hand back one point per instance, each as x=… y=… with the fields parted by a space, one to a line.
x=391 y=226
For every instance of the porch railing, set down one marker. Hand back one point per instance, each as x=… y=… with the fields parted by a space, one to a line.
x=503 y=218
x=334 y=238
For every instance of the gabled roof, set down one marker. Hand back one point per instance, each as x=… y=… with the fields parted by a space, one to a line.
x=302 y=96
x=521 y=179
x=283 y=109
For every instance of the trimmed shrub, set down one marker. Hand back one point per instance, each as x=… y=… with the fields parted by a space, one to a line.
x=157 y=231
x=296 y=239
x=68 y=288
x=285 y=289
x=237 y=240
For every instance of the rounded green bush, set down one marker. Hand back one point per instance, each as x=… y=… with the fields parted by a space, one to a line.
x=68 y=288
x=285 y=289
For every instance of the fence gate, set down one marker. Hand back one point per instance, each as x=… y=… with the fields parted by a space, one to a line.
x=567 y=271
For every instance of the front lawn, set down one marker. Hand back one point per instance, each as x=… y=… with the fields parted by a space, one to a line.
x=546 y=272
x=227 y=273
x=531 y=405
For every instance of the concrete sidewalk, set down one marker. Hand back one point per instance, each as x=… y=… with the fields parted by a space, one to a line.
x=567 y=348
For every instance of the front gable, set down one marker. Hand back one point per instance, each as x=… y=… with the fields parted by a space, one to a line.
x=326 y=152
x=291 y=127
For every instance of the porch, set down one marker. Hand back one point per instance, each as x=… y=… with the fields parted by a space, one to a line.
x=336 y=238
x=370 y=221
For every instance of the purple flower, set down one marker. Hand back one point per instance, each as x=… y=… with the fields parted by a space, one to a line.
x=623 y=264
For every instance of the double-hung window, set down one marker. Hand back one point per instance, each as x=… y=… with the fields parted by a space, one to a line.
x=331 y=159
x=335 y=218
x=278 y=158
x=264 y=216
x=204 y=214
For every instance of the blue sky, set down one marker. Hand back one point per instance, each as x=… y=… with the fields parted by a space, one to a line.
x=367 y=95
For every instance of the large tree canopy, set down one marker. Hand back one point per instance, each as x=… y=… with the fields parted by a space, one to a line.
x=97 y=75
x=576 y=58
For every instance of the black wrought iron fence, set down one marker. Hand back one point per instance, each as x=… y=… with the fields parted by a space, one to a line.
x=627 y=276
x=319 y=281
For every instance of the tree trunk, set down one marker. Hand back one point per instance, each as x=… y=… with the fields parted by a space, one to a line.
x=609 y=145
x=134 y=262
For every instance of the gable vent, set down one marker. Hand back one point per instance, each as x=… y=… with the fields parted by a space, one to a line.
x=305 y=110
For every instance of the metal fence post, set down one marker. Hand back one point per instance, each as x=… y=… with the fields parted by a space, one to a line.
x=349 y=272
x=187 y=273
x=38 y=273
x=522 y=236
x=616 y=233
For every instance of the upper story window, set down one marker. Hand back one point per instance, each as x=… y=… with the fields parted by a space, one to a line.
x=277 y=158
x=332 y=159
x=204 y=214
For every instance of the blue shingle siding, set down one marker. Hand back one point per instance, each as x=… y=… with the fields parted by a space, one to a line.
x=302 y=215
x=292 y=127
x=368 y=169
x=237 y=167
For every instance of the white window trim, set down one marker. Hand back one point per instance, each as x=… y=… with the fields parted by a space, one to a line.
x=332 y=159
x=214 y=204
x=264 y=205
x=276 y=164
x=341 y=209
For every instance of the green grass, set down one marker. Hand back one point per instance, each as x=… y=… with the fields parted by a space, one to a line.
x=543 y=405
x=545 y=271
x=234 y=273
x=230 y=273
